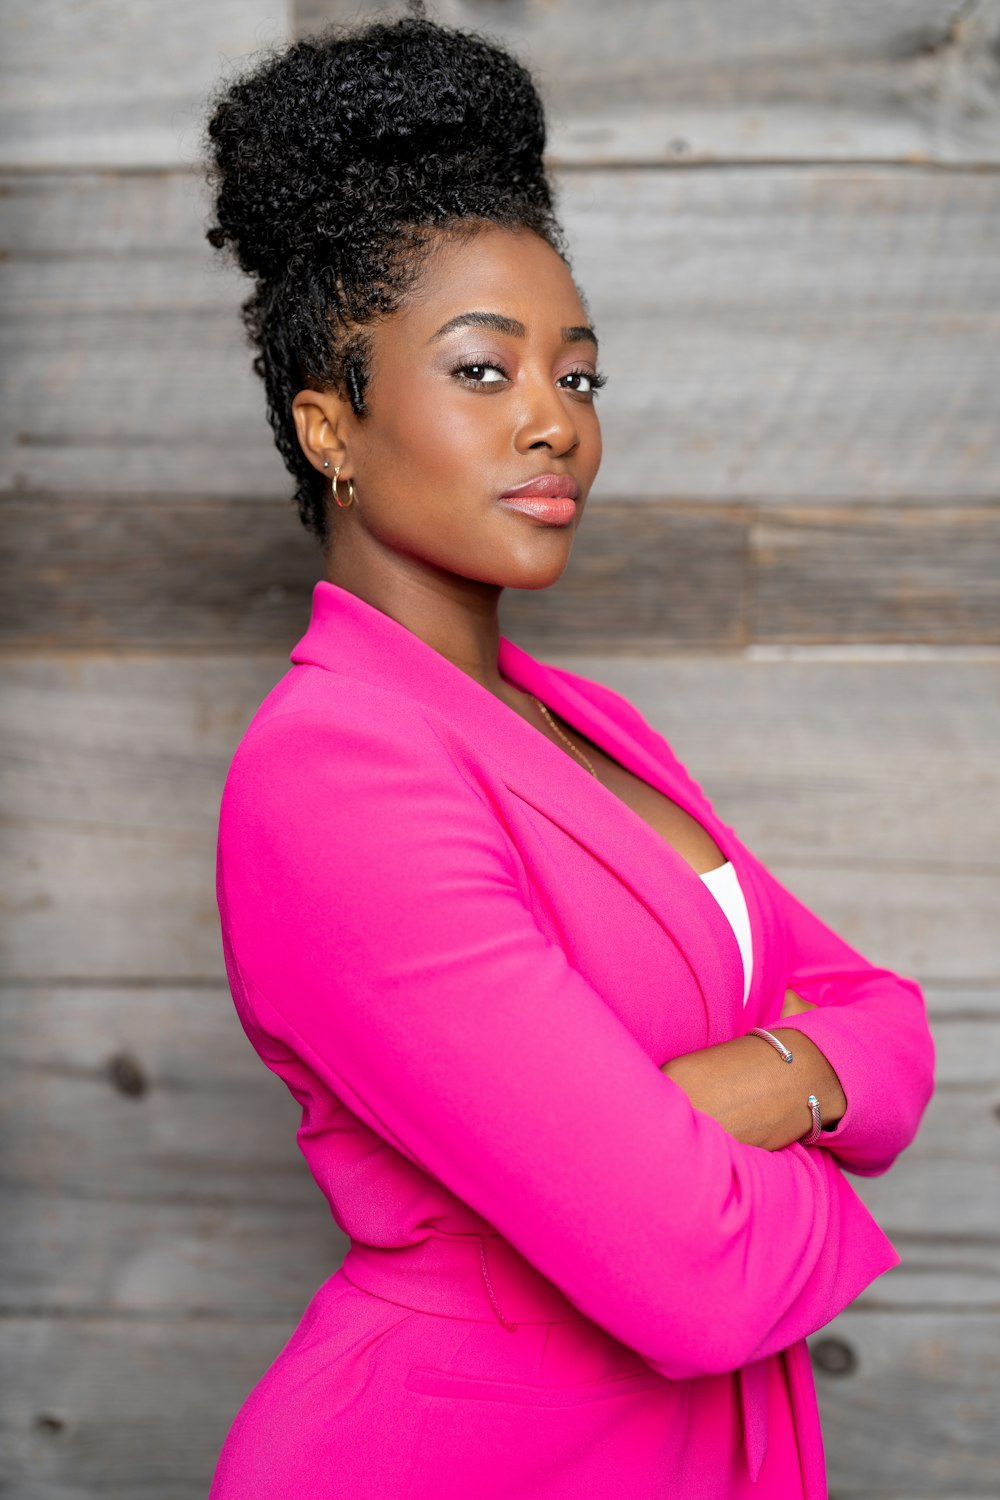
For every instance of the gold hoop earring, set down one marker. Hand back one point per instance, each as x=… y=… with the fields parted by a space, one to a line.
x=350 y=489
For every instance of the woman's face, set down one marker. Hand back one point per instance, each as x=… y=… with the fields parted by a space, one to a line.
x=483 y=381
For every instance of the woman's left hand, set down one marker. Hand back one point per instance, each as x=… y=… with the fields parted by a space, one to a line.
x=758 y=1097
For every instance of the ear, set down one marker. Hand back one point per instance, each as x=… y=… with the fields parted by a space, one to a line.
x=322 y=422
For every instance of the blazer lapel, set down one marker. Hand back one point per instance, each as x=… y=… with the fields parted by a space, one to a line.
x=659 y=877
x=611 y=824
x=349 y=636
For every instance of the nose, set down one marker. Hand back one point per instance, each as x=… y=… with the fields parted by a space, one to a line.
x=548 y=419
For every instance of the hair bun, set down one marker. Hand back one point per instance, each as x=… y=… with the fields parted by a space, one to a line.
x=406 y=118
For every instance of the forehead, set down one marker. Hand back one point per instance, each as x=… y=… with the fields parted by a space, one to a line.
x=515 y=273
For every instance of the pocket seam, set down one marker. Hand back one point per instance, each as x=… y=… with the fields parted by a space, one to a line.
x=435 y=1382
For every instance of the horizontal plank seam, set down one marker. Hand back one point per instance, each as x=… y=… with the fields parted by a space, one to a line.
x=253 y=1313
x=806 y=511
x=561 y=163
x=208 y=981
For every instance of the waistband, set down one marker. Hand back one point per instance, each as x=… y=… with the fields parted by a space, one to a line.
x=477 y=1276
x=482 y=1277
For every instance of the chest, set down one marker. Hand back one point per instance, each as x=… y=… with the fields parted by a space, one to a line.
x=689 y=838
x=677 y=827
x=611 y=867
x=635 y=919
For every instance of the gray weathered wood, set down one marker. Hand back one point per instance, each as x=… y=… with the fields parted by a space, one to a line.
x=891 y=763
x=910 y=80
x=945 y=1190
x=768 y=334
x=823 y=335
x=887 y=762
x=123 y=1407
x=119 y=85
x=113 y=770
x=905 y=80
x=120 y=1407
x=918 y=1415
x=932 y=925
x=875 y=573
x=160 y=572
x=801 y=446
x=190 y=1194
x=121 y=904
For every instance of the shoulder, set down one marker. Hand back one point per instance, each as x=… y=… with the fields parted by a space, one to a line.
x=337 y=726
x=350 y=782
x=340 y=750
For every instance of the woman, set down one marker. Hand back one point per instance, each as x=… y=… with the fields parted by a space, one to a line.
x=578 y=1076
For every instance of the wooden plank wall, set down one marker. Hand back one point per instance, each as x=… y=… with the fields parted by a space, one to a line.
x=786 y=217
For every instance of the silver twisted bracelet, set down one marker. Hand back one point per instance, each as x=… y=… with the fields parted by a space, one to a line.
x=816 y=1129
x=817 y=1124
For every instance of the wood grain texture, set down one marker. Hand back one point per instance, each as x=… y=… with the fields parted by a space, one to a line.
x=119 y=85
x=876 y=573
x=917 y=1416
x=904 y=80
x=221 y=574
x=165 y=573
x=888 y=764
x=799 y=336
x=891 y=764
x=120 y=1407
x=801 y=450
x=188 y=1194
x=112 y=771
x=150 y=1160
x=116 y=903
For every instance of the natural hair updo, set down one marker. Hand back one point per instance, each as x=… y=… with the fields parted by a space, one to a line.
x=330 y=162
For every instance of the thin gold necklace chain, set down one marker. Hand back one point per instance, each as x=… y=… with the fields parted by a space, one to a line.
x=563 y=736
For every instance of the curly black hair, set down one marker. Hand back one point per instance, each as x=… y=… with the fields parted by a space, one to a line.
x=334 y=162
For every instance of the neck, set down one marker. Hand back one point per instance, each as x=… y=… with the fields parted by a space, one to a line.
x=457 y=616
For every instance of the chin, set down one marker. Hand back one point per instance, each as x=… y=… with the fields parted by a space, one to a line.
x=536 y=574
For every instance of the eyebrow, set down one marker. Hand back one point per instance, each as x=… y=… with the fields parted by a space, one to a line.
x=499 y=323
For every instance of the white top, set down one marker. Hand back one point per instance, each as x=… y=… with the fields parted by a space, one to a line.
x=725 y=887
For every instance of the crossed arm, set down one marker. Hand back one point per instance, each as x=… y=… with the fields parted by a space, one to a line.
x=860 y=1041
x=858 y=1032
x=383 y=955
x=757 y=1097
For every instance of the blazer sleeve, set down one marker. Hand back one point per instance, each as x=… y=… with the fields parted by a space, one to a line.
x=871 y=1025
x=870 y=1022
x=379 y=923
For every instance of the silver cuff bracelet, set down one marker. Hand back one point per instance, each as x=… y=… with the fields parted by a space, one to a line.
x=817 y=1124
x=768 y=1036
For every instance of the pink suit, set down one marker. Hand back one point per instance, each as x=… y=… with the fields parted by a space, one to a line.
x=468 y=960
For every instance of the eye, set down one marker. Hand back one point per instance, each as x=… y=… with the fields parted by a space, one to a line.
x=592 y=382
x=477 y=373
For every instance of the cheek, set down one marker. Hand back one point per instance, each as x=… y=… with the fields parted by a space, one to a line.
x=463 y=430
x=437 y=431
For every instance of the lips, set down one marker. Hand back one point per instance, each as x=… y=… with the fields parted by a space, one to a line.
x=546 y=486
x=556 y=510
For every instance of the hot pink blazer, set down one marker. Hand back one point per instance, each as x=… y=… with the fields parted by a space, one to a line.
x=468 y=959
